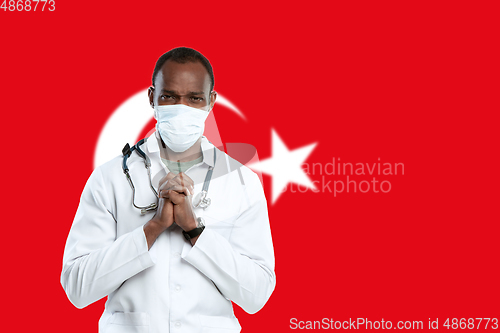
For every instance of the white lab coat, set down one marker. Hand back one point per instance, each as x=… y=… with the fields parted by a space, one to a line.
x=173 y=287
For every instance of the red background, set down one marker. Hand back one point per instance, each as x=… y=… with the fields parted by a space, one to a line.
x=415 y=83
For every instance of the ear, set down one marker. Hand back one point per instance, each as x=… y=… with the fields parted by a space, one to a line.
x=213 y=97
x=151 y=94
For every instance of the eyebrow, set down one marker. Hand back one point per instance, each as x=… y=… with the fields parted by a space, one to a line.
x=189 y=93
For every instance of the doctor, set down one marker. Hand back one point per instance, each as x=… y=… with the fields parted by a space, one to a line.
x=178 y=268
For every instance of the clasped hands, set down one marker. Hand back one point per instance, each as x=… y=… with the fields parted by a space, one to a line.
x=174 y=205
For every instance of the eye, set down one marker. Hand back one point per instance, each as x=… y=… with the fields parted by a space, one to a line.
x=166 y=97
x=197 y=99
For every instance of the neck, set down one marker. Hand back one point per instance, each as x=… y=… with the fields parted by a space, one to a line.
x=190 y=154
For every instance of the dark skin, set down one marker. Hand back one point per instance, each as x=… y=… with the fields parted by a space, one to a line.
x=187 y=84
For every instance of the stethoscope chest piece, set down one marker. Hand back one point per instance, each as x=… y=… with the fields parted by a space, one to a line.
x=151 y=208
x=201 y=201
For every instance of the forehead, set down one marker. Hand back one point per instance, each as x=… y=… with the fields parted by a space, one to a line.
x=189 y=76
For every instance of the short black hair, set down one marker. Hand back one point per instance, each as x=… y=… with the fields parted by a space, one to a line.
x=183 y=55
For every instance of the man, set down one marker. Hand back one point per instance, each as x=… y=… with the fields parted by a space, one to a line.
x=177 y=268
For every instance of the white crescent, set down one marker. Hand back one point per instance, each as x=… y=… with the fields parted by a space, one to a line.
x=128 y=121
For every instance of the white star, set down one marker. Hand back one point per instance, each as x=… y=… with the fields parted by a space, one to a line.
x=285 y=166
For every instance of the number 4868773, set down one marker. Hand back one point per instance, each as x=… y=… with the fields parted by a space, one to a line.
x=28 y=5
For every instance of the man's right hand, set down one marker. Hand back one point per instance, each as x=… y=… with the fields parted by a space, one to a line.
x=164 y=214
x=164 y=218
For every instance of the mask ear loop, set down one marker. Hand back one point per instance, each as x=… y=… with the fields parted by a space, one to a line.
x=157 y=133
x=154 y=114
x=158 y=136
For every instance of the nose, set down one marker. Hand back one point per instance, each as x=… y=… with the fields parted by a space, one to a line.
x=182 y=100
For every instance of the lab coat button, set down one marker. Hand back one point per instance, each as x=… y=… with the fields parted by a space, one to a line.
x=177 y=254
x=177 y=288
x=178 y=324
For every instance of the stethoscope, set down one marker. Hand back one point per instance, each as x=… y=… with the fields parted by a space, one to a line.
x=199 y=201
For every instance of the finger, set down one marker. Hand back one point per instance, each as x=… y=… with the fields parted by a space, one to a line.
x=180 y=189
x=163 y=202
x=173 y=185
x=189 y=186
x=164 y=194
x=166 y=178
x=186 y=190
x=168 y=184
x=185 y=180
x=176 y=198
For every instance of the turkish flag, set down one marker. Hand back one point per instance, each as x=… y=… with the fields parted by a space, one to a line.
x=390 y=214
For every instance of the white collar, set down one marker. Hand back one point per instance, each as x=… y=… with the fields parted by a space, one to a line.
x=206 y=148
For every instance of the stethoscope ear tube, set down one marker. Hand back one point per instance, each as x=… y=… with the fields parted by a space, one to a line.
x=147 y=165
x=127 y=151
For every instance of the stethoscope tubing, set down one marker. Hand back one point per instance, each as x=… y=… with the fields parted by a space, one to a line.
x=127 y=151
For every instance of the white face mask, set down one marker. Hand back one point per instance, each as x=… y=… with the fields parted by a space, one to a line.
x=179 y=125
